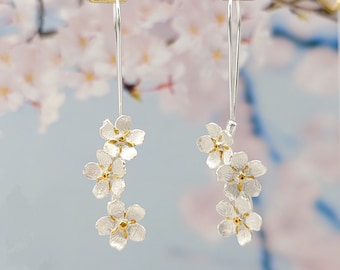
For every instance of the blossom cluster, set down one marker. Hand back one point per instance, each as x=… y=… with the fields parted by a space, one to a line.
x=73 y=47
x=240 y=183
x=121 y=224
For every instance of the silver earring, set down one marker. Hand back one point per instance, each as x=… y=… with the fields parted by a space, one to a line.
x=121 y=223
x=233 y=168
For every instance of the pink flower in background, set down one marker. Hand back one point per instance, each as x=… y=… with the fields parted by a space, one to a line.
x=11 y=98
x=197 y=207
x=294 y=229
x=24 y=17
x=320 y=80
x=88 y=81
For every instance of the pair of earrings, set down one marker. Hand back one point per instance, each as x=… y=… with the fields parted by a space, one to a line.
x=234 y=169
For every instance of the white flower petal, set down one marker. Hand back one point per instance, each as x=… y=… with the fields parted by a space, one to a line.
x=107 y=130
x=111 y=149
x=92 y=171
x=136 y=137
x=226 y=139
x=116 y=209
x=123 y=123
x=117 y=188
x=128 y=152
x=118 y=168
x=101 y=189
x=135 y=212
x=256 y=168
x=252 y=188
x=136 y=232
x=226 y=228
x=214 y=160
x=243 y=205
x=104 y=158
x=205 y=144
x=105 y=225
x=254 y=221
x=243 y=236
x=214 y=130
x=231 y=190
x=225 y=173
x=225 y=209
x=118 y=240
x=227 y=155
x=239 y=160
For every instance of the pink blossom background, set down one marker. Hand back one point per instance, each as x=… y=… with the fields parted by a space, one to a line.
x=57 y=86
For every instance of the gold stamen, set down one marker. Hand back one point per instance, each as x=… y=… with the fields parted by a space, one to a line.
x=109 y=169
x=113 y=218
x=114 y=231
x=240 y=187
x=130 y=144
x=125 y=233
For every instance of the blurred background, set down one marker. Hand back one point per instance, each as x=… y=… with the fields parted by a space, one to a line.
x=57 y=62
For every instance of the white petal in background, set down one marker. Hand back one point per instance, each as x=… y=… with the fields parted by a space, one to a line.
x=123 y=123
x=136 y=232
x=107 y=130
x=128 y=152
x=214 y=130
x=117 y=240
x=92 y=171
x=239 y=160
x=116 y=209
x=205 y=144
x=104 y=158
x=214 y=160
x=136 y=136
x=135 y=212
x=105 y=225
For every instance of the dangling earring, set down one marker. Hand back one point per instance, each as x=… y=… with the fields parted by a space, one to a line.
x=120 y=224
x=233 y=169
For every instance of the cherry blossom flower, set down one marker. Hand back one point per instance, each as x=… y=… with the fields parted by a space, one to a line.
x=10 y=96
x=24 y=17
x=122 y=224
x=108 y=173
x=121 y=140
x=217 y=144
x=311 y=79
x=240 y=176
x=239 y=219
x=196 y=207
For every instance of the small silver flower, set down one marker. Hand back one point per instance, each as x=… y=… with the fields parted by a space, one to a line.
x=217 y=144
x=108 y=173
x=120 y=139
x=122 y=224
x=240 y=176
x=239 y=219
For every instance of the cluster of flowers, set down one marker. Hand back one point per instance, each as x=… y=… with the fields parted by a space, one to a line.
x=121 y=224
x=239 y=176
x=74 y=46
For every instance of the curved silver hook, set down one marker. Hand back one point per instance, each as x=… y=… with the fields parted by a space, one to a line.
x=117 y=23
x=234 y=57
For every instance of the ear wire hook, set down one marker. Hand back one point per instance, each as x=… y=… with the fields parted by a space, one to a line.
x=118 y=32
x=233 y=63
x=117 y=23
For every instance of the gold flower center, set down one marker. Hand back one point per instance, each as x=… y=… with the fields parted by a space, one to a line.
x=123 y=224
x=242 y=177
x=237 y=221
